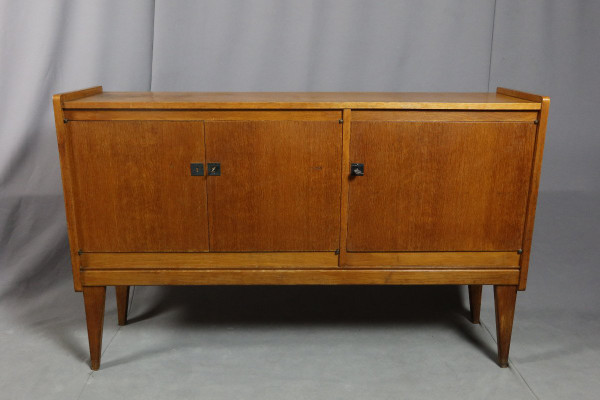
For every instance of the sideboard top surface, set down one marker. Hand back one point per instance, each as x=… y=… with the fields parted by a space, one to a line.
x=301 y=100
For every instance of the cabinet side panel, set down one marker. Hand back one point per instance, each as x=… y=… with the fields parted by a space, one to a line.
x=533 y=191
x=67 y=182
x=133 y=186
x=439 y=186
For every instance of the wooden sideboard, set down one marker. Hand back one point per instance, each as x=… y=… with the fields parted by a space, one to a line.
x=300 y=188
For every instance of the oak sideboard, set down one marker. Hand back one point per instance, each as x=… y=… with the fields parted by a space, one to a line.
x=300 y=188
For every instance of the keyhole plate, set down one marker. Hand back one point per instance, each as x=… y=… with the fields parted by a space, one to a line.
x=197 y=169
x=214 y=169
x=357 y=169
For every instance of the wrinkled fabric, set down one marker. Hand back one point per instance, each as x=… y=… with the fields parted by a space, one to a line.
x=54 y=46
x=47 y=47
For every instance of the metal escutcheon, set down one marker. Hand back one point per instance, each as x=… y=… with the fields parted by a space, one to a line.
x=197 y=169
x=357 y=169
x=214 y=169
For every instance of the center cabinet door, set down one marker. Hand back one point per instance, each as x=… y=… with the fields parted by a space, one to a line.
x=279 y=183
x=438 y=185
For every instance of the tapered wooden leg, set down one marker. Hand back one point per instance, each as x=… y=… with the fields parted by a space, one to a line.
x=504 y=299
x=122 y=302
x=475 y=302
x=94 y=297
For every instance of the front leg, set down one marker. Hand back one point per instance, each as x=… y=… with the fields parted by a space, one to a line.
x=94 y=297
x=504 y=299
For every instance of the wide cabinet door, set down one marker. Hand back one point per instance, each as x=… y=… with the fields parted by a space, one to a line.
x=133 y=187
x=439 y=185
x=278 y=184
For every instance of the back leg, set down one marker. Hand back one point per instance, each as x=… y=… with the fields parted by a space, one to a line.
x=475 y=302
x=122 y=303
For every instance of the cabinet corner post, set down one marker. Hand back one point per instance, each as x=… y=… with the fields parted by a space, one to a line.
x=345 y=168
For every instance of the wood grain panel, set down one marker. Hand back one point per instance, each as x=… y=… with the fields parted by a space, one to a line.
x=303 y=100
x=459 y=116
x=279 y=188
x=439 y=186
x=311 y=259
x=338 y=276
x=134 y=191
x=202 y=115
x=477 y=259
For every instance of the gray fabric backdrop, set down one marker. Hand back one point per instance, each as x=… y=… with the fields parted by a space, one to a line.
x=547 y=47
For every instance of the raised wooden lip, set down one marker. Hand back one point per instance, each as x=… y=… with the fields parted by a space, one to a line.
x=302 y=101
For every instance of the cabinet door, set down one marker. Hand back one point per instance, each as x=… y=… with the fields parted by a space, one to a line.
x=279 y=185
x=133 y=186
x=439 y=186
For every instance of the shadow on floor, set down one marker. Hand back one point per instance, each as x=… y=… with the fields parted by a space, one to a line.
x=300 y=304
x=356 y=306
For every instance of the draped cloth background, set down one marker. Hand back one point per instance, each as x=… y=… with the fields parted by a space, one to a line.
x=50 y=46
x=547 y=47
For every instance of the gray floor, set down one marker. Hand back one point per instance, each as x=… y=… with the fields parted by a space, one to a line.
x=321 y=342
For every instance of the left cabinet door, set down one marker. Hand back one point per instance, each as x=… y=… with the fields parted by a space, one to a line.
x=133 y=187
